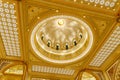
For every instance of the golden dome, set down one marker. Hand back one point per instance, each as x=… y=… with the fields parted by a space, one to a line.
x=62 y=35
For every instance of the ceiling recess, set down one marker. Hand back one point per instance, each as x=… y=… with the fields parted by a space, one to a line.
x=58 y=39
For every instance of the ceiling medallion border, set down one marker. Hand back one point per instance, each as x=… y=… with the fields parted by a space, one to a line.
x=61 y=59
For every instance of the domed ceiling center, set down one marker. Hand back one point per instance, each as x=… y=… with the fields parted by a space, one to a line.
x=61 y=35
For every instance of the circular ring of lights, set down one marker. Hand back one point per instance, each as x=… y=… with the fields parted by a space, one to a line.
x=44 y=40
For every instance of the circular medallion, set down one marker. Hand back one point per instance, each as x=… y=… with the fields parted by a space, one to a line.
x=61 y=39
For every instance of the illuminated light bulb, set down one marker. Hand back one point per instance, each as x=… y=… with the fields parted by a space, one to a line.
x=112 y=4
x=57 y=10
x=61 y=22
x=15 y=29
x=38 y=17
x=14 y=25
x=3 y=19
x=5 y=5
x=101 y=6
x=75 y=0
x=57 y=46
x=81 y=2
x=8 y=15
x=1 y=4
x=6 y=31
x=107 y=3
x=9 y=24
x=8 y=20
x=97 y=1
x=84 y=16
x=14 y=21
x=12 y=11
x=115 y=0
x=88 y=3
x=108 y=8
x=13 y=3
x=4 y=23
x=1 y=10
x=15 y=32
x=49 y=43
x=13 y=16
x=80 y=35
x=113 y=9
x=102 y=2
x=118 y=3
x=67 y=46
x=11 y=6
x=1 y=30
x=7 y=10
x=2 y=14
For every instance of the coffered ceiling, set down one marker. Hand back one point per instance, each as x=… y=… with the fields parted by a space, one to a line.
x=59 y=39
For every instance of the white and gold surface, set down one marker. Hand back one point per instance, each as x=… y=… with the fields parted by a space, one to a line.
x=59 y=39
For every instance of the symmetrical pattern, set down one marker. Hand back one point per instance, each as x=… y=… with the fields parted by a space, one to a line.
x=87 y=76
x=111 y=71
x=9 y=28
x=107 y=48
x=54 y=70
x=107 y=4
x=61 y=39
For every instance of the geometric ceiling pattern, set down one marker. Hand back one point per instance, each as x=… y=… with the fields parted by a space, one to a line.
x=107 y=4
x=9 y=28
x=112 y=71
x=53 y=70
x=87 y=76
x=79 y=39
x=112 y=42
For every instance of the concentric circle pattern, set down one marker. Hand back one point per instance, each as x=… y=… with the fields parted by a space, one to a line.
x=61 y=39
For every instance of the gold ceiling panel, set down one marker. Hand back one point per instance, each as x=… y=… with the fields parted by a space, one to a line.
x=88 y=76
x=111 y=70
x=103 y=4
x=11 y=77
x=34 y=11
x=9 y=28
x=16 y=70
x=53 y=12
x=110 y=7
x=19 y=18
x=110 y=45
x=53 y=70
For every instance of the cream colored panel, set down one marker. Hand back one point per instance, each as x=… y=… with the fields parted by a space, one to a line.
x=45 y=69
x=9 y=28
x=107 y=49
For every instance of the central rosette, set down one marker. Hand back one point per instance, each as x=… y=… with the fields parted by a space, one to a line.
x=61 y=39
x=61 y=35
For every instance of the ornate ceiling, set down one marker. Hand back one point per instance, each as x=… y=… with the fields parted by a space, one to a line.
x=59 y=39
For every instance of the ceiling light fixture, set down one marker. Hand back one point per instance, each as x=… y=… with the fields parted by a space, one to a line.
x=49 y=37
